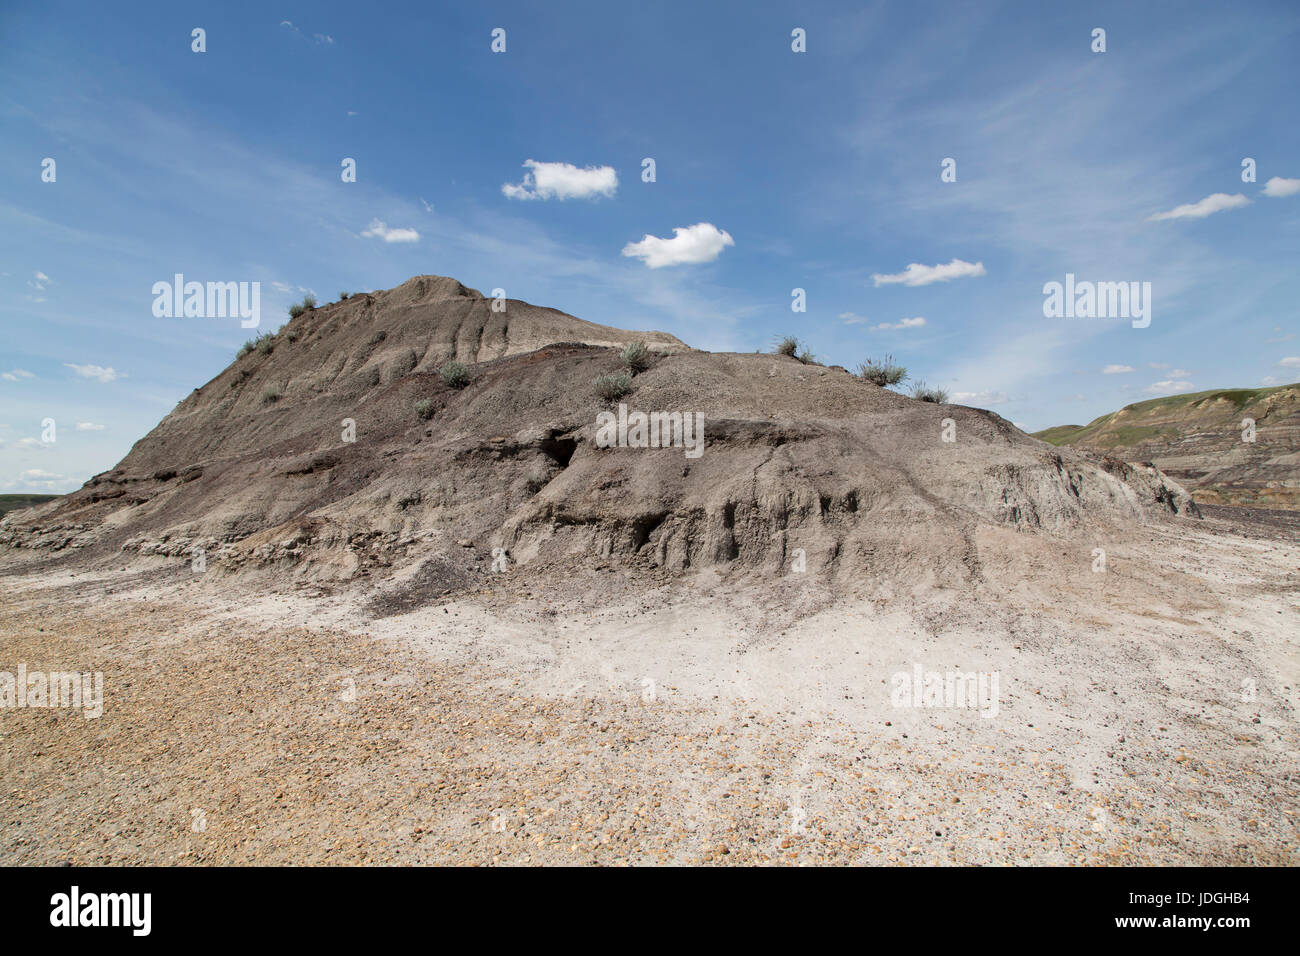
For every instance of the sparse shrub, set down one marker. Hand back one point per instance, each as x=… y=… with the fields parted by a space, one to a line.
x=291 y=336
x=787 y=346
x=245 y=349
x=406 y=363
x=343 y=296
x=377 y=338
x=424 y=408
x=807 y=357
x=372 y=376
x=610 y=387
x=271 y=394
x=454 y=374
x=883 y=372
x=924 y=394
x=265 y=343
x=635 y=357
x=306 y=305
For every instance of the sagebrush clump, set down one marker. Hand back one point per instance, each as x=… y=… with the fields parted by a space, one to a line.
x=883 y=372
x=787 y=346
x=925 y=394
x=306 y=305
x=635 y=357
x=615 y=385
x=454 y=374
x=265 y=343
x=424 y=409
x=271 y=394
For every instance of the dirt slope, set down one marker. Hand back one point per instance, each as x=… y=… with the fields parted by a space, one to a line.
x=255 y=467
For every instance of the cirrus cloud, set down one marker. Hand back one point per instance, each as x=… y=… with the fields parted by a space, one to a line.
x=702 y=242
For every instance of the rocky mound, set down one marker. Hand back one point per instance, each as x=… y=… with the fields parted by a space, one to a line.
x=336 y=451
x=1205 y=440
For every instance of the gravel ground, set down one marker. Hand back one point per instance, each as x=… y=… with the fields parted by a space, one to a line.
x=683 y=724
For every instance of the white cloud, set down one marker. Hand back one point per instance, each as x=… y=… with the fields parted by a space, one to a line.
x=917 y=274
x=1171 y=386
x=562 y=181
x=1180 y=373
x=702 y=242
x=379 y=230
x=1021 y=425
x=1268 y=380
x=915 y=323
x=13 y=375
x=31 y=443
x=104 y=375
x=980 y=398
x=89 y=427
x=318 y=38
x=1291 y=361
x=35 y=474
x=1116 y=369
x=852 y=318
x=1202 y=207
x=428 y=206
x=1277 y=186
x=1157 y=364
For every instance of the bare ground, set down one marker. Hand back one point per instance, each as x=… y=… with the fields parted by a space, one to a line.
x=603 y=719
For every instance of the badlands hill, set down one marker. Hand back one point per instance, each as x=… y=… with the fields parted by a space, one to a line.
x=1200 y=440
x=307 y=459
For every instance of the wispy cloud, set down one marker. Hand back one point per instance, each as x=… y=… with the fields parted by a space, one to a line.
x=17 y=374
x=562 y=181
x=379 y=230
x=1291 y=361
x=89 y=427
x=1116 y=369
x=916 y=274
x=1217 y=202
x=915 y=323
x=320 y=39
x=1171 y=387
x=981 y=399
x=702 y=242
x=97 y=372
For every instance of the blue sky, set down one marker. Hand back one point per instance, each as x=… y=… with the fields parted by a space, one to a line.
x=822 y=167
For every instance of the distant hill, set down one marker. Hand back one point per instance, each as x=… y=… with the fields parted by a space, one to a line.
x=1197 y=439
x=15 y=502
